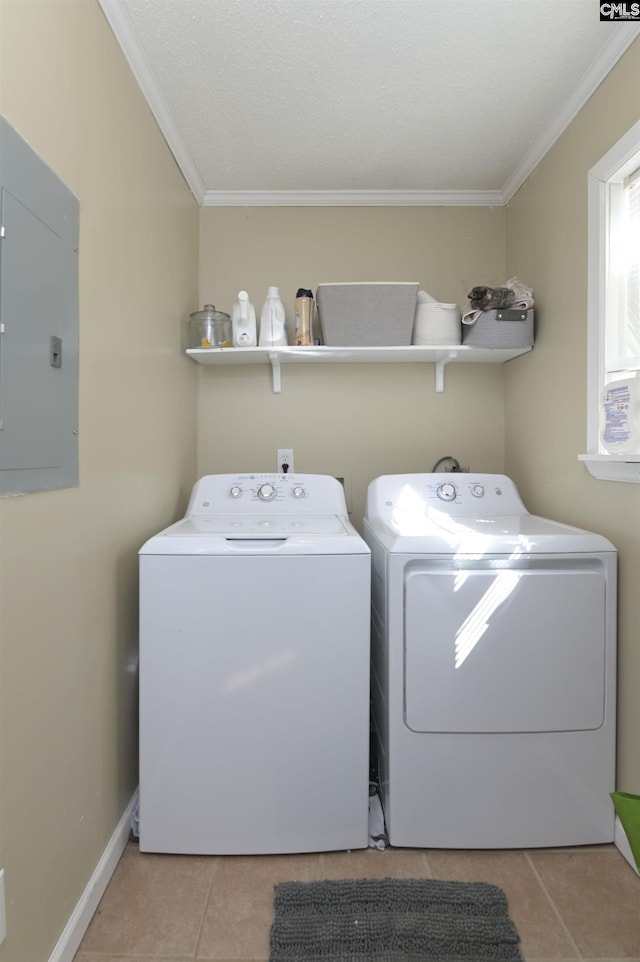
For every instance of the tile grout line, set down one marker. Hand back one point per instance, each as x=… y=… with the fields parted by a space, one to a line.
x=555 y=909
x=427 y=867
x=94 y=956
x=214 y=872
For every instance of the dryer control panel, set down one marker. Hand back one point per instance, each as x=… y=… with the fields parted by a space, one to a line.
x=458 y=495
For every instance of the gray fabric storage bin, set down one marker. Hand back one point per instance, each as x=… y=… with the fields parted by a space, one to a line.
x=500 y=328
x=367 y=315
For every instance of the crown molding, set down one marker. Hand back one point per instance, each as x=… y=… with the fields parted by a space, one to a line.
x=624 y=36
x=353 y=198
x=118 y=19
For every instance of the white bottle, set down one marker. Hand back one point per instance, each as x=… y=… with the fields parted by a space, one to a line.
x=273 y=323
x=243 y=322
x=621 y=415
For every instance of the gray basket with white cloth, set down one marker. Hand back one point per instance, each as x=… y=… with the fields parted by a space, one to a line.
x=509 y=327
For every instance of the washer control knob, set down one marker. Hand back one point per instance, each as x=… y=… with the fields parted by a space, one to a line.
x=235 y=491
x=266 y=492
x=298 y=492
x=477 y=491
x=446 y=491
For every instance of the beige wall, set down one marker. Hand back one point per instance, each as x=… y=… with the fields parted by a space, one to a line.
x=358 y=420
x=546 y=391
x=68 y=649
x=68 y=576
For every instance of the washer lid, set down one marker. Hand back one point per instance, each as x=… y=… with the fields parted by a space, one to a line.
x=258 y=526
x=213 y=534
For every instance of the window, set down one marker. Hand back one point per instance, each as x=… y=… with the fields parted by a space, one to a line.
x=622 y=306
x=614 y=293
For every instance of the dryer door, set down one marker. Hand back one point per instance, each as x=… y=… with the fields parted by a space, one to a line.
x=507 y=649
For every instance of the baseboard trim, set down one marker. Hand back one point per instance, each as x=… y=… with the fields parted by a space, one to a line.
x=68 y=943
x=621 y=842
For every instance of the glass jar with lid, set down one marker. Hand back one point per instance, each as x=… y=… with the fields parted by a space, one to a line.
x=209 y=328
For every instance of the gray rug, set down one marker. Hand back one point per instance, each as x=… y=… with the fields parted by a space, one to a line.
x=391 y=920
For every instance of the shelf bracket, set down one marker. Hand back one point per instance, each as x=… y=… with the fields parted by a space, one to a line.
x=275 y=372
x=440 y=366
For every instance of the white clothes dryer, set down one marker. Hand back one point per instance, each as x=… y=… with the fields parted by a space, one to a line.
x=254 y=671
x=493 y=667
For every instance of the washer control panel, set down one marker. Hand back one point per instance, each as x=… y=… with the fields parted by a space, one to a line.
x=267 y=492
x=271 y=493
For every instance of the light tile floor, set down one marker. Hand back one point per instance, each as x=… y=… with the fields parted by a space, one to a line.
x=580 y=903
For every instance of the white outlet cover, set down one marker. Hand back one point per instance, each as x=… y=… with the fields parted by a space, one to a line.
x=285 y=455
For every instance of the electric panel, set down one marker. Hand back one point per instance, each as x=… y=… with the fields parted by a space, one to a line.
x=39 y=219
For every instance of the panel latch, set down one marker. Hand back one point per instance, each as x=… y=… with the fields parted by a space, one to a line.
x=55 y=351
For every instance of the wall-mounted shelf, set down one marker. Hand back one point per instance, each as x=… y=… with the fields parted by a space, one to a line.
x=277 y=356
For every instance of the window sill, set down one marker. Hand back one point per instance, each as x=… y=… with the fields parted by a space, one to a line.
x=613 y=467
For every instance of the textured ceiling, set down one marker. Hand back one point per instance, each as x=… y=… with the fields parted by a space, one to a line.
x=364 y=95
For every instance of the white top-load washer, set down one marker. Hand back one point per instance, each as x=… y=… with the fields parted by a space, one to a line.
x=494 y=667
x=254 y=671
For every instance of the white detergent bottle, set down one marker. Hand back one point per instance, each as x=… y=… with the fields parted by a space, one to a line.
x=243 y=322
x=621 y=415
x=273 y=323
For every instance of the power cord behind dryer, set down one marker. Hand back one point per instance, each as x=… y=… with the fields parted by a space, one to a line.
x=455 y=468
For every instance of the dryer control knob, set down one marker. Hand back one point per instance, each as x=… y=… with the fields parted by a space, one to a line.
x=298 y=492
x=477 y=491
x=266 y=492
x=235 y=491
x=446 y=491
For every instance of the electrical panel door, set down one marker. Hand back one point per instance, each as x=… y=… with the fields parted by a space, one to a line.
x=38 y=323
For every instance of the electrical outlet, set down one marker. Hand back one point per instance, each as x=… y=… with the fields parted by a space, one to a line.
x=3 y=915
x=285 y=461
